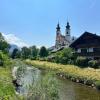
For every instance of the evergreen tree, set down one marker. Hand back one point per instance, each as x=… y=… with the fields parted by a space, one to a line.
x=15 y=53
x=43 y=52
x=25 y=53
x=34 y=52
x=4 y=46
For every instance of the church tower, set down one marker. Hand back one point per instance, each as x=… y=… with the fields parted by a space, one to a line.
x=58 y=34
x=67 y=32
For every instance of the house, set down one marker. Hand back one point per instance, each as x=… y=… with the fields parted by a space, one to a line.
x=87 y=45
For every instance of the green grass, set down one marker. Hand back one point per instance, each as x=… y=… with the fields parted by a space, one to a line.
x=86 y=75
x=7 y=91
x=45 y=89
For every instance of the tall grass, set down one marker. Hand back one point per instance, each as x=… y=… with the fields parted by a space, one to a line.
x=45 y=89
x=7 y=91
x=89 y=75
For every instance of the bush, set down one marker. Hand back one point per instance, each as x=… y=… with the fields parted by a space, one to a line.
x=43 y=59
x=93 y=63
x=4 y=60
x=64 y=56
x=82 y=61
x=33 y=58
x=1 y=62
x=97 y=84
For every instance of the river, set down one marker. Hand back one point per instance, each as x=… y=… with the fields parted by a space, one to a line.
x=29 y=77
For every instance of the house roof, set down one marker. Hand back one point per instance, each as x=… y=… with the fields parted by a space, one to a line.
x=87 y=39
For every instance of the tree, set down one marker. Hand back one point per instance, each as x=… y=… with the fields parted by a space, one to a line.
x=15 y=53
x=4 y=59
x=43 y=52
x=4 y=46
x=34 y=52
x=18 y=54
x=64 y=56
x=82 y=61
x=25 y=53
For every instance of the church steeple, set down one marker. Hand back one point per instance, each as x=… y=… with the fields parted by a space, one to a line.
x=67 y=32
x=58 y=35
x=58 y=27
x=68 y=26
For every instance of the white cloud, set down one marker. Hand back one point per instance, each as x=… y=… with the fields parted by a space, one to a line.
x=12 y=39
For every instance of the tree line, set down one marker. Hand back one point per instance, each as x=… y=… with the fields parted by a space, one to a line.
x=64 y=56
x=30 y=53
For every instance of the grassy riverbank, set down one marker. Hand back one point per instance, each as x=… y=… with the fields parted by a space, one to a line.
x=7 y=90
x=6 y=87
x=88 y=76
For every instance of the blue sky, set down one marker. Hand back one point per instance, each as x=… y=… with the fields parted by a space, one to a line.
x=34 y=21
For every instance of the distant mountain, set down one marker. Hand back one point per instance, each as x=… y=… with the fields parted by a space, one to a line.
x=14 y=40
x=12 y=47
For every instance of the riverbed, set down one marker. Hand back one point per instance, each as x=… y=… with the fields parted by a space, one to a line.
x=29 y=79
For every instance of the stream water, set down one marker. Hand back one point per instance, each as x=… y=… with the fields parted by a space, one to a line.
x=67 y=90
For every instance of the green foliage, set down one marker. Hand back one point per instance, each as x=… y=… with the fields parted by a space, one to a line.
x=4 y=59
x=50 y=87
x=45 y=89
x=21 y=70
x=82 y=61
x=7 y=91
x=3 y=44
x=34 y=52
x=15 y=53
x=25 y=53
x=97 y=84
x=43 y=52
x=93 y=63
x=18 y=54
x=65 y=56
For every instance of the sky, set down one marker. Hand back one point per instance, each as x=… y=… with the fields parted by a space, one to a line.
x=35 y=21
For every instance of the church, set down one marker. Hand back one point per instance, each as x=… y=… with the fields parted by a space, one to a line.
x=87 y=45
x=62 y=41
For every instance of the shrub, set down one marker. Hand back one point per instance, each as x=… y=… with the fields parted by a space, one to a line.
x=97 y=84
x=4 y=60
x=64 y=56
x=1 y=62
x=82 y=61
x=33 y=58
x=93 y=63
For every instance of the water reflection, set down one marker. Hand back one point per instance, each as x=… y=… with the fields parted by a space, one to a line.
x=67 y=90
x=73 y=91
